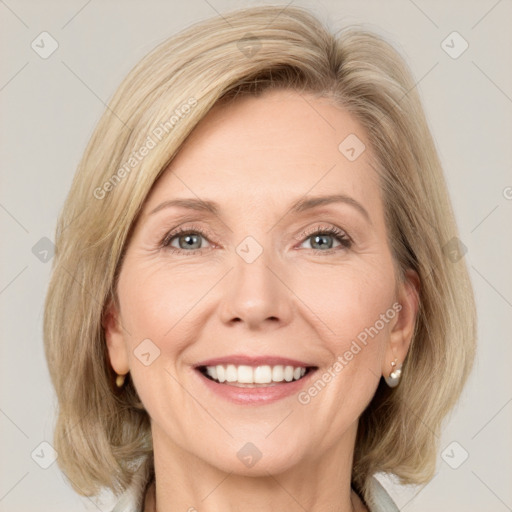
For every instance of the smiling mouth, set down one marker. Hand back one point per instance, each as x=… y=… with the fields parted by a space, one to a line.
x=253 y=377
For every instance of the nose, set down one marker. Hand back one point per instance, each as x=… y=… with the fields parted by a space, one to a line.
x=256 y=295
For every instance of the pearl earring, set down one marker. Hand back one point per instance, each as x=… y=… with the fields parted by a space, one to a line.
x=394 y=377
x=120 y=380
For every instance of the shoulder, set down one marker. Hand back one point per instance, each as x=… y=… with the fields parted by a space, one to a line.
x=132 y=500
x=126 y=504
x=380 y=500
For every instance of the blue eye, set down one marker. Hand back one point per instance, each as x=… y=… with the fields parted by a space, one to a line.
x=189 y=240
x=322 y=237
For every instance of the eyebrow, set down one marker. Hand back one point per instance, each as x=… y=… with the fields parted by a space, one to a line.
x=303 y=204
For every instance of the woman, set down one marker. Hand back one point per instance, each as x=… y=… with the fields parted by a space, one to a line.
x=250 y=288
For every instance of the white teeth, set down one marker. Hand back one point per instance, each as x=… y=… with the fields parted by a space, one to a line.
x=262 y=374
x=277 y=374
x=231 y=373
x=213 y=372
x=221 y=373
x=244 y=374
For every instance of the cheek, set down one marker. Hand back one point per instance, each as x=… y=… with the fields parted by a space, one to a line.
x=352 y=304
x=158 y=302
x=159 y=307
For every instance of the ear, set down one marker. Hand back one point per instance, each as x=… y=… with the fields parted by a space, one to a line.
x=114 y=337
x=403 y=328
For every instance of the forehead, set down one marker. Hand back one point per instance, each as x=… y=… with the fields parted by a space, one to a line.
x=275 y=148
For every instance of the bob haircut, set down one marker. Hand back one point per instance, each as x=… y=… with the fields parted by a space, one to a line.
x=102 y=433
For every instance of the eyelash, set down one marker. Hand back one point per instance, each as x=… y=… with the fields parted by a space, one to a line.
x=343 y=238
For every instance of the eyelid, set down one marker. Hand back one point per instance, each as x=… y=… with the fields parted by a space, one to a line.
x=184 y=229
x=345 y=240
x=321 y=228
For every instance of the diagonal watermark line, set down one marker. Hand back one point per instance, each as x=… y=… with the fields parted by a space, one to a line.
x=95 y=504
x=485 y=14
x=14 y=76
x=14 y=218
x=280 y=12
x=81 y=285
x=424 y=14
x=91 y=295
x=13 y=279
x=88 y=497
x=484 y=218
x=492 y=418
x=14 y=423
x=199 y=300
x=301 y=300
x=416 y=494
x=418 y=81
x=218 y=13
x=286 y=491
x=508 y=508
x=123 y=123
x=74 y=218
x=280 y=423
x=317 y=111
x=492 y=81
x=377 y=376
x=2 y=2
x=76 y=14
x=424 y=424
x=407 y=92
x=68 y=431
x=217 y=486
x=493 y=287
x=14 y=485
x=200 y=404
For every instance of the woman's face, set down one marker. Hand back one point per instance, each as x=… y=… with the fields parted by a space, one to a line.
x=263 y=279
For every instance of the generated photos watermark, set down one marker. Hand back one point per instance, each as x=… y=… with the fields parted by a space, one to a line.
x=305 y=397
x=152 y=140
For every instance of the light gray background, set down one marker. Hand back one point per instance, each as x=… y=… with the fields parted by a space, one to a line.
x=50 y=107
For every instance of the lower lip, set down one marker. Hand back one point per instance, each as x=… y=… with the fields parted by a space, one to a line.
x=258 y=395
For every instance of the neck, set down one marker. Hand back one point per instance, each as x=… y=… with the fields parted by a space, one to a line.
x=316 y=484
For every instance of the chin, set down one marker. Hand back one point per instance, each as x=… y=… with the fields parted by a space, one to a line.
x=257 y=459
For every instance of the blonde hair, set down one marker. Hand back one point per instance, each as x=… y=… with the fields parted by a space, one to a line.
x=101 y=433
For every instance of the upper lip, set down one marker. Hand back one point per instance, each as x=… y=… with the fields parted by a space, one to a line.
x=239 y=359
